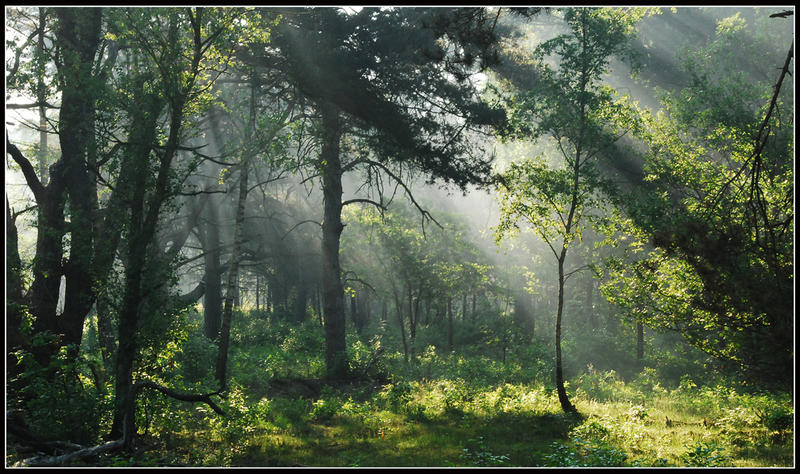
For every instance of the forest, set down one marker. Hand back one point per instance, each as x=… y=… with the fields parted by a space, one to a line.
x=399 y=236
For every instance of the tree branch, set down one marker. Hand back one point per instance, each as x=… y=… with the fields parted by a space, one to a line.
x=27 y=170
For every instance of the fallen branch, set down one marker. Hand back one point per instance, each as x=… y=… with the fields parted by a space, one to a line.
x=17 y=426
x=67 y=458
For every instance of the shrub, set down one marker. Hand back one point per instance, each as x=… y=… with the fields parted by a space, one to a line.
x=583 y=453
x=706 y=454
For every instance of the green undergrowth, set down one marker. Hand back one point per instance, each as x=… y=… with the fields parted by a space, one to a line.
x=457 y=410
x=444 y=409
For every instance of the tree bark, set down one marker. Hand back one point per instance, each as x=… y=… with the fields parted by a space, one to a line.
x=80 y=29
x=336 y=362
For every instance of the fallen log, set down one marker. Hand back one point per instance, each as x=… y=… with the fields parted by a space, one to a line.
x=41 y=461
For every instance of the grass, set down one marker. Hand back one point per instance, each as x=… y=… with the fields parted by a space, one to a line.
x=451 y=410
x=453 y=423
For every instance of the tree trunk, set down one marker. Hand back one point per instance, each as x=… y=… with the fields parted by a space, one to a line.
x=639 y=343
x=14 y=338
x=474 y=302
x=450 y=344
x=300 y=302
x=105 y=332
x=589 y=304
x=566 y=405
x=398 y=303
x=336 y=363
x=212 y=299
x=233 y=270
x=79 y=28
x=141 y=232
x=41 y=98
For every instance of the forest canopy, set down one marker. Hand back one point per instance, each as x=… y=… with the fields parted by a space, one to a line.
x=228 y=226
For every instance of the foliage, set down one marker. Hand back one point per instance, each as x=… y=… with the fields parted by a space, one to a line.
x=706 y=455
x=716 y=203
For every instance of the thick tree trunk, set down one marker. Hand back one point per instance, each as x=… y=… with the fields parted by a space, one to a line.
x=47 y=267
x=79 y=28
x=336 y=362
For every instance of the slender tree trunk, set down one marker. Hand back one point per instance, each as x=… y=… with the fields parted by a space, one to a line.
x=398 y=302
x=105 y=332
x=639 y=343
x=41 y=97
x=566 y=405
x=212 y=299
x=300 y=302
x=141 y=230
x=14 y=338
x=474 y=301
x=589 y=302
x=450 y=342
x=233 y=270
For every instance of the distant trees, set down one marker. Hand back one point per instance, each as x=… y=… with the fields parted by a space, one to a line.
x=424 y=278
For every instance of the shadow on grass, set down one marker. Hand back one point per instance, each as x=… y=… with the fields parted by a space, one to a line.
x=449 y=439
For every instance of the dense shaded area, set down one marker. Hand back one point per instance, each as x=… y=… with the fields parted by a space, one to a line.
x=399 y=236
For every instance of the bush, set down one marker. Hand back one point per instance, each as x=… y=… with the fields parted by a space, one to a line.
x=706 y=455
x=584 y=453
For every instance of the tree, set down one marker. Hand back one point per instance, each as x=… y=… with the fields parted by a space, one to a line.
x=717 y=206
x=179 y=51
x=358 y=76
x=582 y=117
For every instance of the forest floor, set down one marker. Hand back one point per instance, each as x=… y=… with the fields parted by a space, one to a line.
x=456 y=410
x=447 y=410
x=507 y=425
